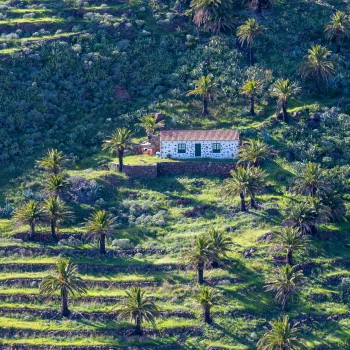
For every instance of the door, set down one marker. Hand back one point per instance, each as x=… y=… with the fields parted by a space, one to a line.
x=197 y=149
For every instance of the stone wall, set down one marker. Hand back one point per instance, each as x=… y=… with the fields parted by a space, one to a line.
x=195 y=168
x=141 y=171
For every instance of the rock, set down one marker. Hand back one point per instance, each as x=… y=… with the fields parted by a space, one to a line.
x=272 y=212
x=261 y=113
x=267 y=237
x=280 y=177
x=159 y=116
x=280 y=116
x=326 y=235
x=316 y=117
x=273 y=120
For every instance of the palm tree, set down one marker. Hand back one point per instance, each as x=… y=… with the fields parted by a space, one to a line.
x=290 y=239
x=247 y=32
x=57 y=211
x=220 y=244
x=256 y=182
x=199 y=255
x=286 y=281
x=338 y=28
x=55 y=184
x=66 y=281
x=237 y=185
x=317 y=65
x=336 y=205
x=281 y=336
x=311 y=180
x=206 y=298
x=251 y=88
x=29 y=214
x=138 y=308
x=53 y=161
x=117 y=142
x=283 y=89
x=253 y=152
x=149 y=123
x=100 y=223
x=205 y=87
x=213 y=15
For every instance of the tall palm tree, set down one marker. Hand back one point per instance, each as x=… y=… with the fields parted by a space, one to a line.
x=57 y=211
x=100 y=223
x=117 y=142
x=199 y=255
x=311 y=180
x=66 y=281
x=206 y=298
x=281 y=336
x=338 y=28
x=290 y=239
x=317 y=66
x=283 y=89
x=220 y=244
x=138 y=308
x=53 y=161
x=237 y=185
x=256 y=182
x=205 y=88
x=150 y=124
x=286 y=282
x=251 y=88
x=55 y=184
x=213 y=15
x=247 y=33
x=253 y=152
x=29 y=214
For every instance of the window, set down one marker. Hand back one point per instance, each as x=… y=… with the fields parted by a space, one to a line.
x=181 y=148
x=216 y=147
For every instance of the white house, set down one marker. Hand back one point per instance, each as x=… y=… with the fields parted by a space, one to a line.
x=180 y=144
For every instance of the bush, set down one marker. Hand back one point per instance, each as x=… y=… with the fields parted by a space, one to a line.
x=344 y=289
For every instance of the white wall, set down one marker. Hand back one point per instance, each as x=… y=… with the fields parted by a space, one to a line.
x=228 y=149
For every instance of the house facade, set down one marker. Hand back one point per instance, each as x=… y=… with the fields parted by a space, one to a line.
x=191 y=144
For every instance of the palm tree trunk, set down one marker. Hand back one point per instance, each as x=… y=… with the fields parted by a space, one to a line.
x=251 y=55
x=53 y=229
x=206 y=314
x=102 y=243
x=252 y=112
x=65 y=310
x=149 y=135
x=338 y=45
x=285 y=304
x=284 y=111
x=138 y=329
x=259 y=9
x=205 y=105
x=252 y=201
x=120 y=157
x=200 y=273
x=32 y=230
x=289 y=257
x=243 y=207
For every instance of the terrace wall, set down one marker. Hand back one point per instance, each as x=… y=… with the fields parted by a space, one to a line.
x=177 y=168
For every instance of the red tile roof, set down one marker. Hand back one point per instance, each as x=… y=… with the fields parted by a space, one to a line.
x=199 y=135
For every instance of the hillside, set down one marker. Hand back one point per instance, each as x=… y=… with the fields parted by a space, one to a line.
x=71 y=72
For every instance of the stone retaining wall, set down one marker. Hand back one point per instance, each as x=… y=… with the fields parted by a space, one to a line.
x=177 y=168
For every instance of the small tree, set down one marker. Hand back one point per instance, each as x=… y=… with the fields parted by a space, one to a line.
x=150 y=124
x=220 y=244
x=199 y=255
x=57 y=211
x=338 y=28
x=138 y=308
x=317 y=66
x=55 y=184
x=117 y=142
x=281 y=336
x=251 y=88
x=256 y=183
x=311 y=180
x=205 y=88
x=253 y=152
x=100 y=223
x=336 y=205
x=283 y=89
x=206 y=298
x=290 y=240
x=247 y=33
x=66 y=281
x=286 y=282
x=29 y=214
x=53 y=161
